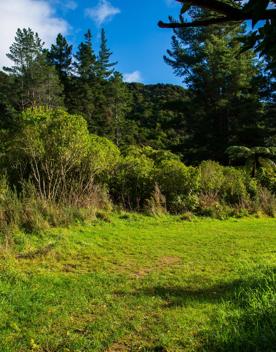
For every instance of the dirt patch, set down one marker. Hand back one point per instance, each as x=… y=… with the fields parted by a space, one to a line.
x=118 y=347
x=169 y=261
x=68 y=267
x=143 y=272
x=162 y=262
x=37 y=253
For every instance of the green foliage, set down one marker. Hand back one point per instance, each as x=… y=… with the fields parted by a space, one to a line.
x=178 y=183
x=211 y=177
x=112 y=106
x=234 y=190
x=29 y=213
x=60 y=56
x=57 y=152
x=133 y=182
x=105 y=68
x=35 y=81
x=254 y=157
x=157 y=116
x=86 y=59
x=224 y=101
x=261 y=39
x=267 y=177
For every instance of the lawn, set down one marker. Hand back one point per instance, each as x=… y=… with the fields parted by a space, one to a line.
x=138 y=283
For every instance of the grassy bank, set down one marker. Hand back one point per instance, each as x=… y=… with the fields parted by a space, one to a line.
x=135 y=283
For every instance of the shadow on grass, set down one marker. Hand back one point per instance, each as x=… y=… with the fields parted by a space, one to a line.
x=183 y=296
x=244 y=319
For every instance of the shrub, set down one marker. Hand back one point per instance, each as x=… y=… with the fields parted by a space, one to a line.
x=267 y=178
x=234 y=190
x=267 y=202
x=132 y=183
x=55 y=150
x=156 y=205
x=211 y=177
x=178 y=183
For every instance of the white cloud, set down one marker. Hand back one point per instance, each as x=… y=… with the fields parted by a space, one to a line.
x=134 y=76
x=104 y=11
x=36 y=14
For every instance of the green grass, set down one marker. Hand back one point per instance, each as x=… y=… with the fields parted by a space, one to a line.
x=141 y=284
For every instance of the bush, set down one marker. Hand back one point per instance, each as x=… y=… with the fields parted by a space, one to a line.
x=267 y=202
x=56 y=152
x=132 y=183
x=267 y=178
x=234 y=187
x=156 y=205
x=211 y=177
x=178 y=183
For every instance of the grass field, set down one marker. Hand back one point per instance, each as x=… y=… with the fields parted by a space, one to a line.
x=138 y=283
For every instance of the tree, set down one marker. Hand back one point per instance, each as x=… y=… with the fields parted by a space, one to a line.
x=85 y=64
x=56 y=152
x=105 y=67
x=157 y=116
x=117 y=106
x=261 y=39
x=35 y=81
x=83 y=88
x=8 y=114
x=224 y=101
x=60 y=56
x=254 y=158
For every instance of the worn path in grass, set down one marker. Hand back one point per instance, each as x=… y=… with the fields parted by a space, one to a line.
x=141 y=284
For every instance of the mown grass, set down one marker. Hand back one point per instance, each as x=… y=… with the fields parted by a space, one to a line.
x=141 y=284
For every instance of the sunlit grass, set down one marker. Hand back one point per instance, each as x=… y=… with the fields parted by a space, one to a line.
x=141 y=284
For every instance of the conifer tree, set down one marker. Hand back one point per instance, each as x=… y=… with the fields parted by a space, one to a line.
x=105 y=67
x=85 y=64
x=60 y=56
x=225 y=105
x=82 y=95
x=118 y=105
x=35 y=81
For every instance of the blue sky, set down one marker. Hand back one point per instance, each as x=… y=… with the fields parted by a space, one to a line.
x=131 y=26
x=136 y=41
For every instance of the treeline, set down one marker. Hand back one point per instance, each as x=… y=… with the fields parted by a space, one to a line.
x=229 y=98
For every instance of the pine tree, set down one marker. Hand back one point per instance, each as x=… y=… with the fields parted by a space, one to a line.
x=83 y=89
x=105 y=67
x=60 y=56
x=35 y=81
x=25 y=50
x=85 y=64
x=224 y=101
x=118 y=105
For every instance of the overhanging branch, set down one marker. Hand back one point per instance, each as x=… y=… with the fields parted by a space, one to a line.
x=215 y=5
x=202 y=23
x=231 y=14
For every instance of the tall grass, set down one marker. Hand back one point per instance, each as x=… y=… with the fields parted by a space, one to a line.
x=246 y=321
